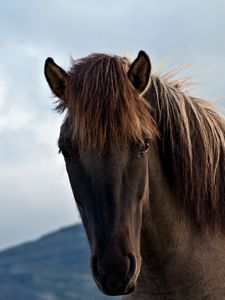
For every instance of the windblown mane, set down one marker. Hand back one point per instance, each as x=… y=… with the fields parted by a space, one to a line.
x=103 y=107
x=105 y=110
x=192 y=148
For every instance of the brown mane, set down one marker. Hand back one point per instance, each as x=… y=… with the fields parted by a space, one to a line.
x=192 y=148
x=104 y=108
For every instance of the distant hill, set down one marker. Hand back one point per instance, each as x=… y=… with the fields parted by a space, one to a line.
x=55 y=267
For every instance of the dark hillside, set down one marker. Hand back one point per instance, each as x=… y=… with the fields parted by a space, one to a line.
x=55 y=267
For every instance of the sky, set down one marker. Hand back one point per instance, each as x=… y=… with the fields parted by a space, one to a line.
x=35 y=195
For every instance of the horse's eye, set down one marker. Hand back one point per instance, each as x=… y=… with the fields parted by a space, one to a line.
x=144 y=148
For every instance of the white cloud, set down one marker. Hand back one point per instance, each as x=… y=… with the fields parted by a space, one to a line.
x=15 y=118
x=2 y=92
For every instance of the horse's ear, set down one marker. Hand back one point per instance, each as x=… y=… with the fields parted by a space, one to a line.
x=56 y=77
x=139 y=72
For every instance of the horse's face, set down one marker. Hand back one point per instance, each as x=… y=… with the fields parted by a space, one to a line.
x=110 y=190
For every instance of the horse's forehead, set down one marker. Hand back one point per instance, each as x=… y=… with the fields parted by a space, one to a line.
x=111 y=159
x=92 y=156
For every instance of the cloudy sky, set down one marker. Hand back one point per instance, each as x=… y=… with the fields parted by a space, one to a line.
x=35 y=196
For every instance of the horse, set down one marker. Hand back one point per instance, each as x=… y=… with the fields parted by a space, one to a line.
x=145 y=161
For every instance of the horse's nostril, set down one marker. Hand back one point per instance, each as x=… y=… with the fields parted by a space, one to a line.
x=132 y=267
x=113 y=271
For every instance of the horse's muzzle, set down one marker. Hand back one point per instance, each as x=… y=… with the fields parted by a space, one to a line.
x=114 y=275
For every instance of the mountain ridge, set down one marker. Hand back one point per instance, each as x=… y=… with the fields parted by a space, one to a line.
x=53 y=267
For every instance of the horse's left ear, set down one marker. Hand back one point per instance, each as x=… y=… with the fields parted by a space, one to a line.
x=56 y=77
x=139 y=72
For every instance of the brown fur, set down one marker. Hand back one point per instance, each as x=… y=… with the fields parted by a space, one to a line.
x=192 y=147
x=105 y=110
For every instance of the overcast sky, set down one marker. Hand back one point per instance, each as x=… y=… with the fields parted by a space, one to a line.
x=35 y=196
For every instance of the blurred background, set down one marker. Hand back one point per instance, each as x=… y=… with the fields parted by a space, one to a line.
x=35 y=196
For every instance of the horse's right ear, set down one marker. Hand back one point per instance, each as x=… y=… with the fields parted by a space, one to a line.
x=56 y=77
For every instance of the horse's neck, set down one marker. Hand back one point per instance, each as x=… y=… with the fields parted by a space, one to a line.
x=178 y=263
